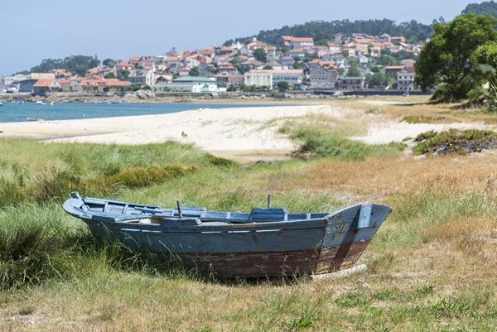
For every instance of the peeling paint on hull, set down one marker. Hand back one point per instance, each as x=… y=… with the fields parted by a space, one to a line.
x=276 y=264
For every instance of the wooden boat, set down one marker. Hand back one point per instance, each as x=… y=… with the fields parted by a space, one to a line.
x=267 y=242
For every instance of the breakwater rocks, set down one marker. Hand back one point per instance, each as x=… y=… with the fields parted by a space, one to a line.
x=144 y=96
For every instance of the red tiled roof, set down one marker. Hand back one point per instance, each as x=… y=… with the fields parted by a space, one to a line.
x=122 y=63
x=64 y=81
x=298 y=39
x=43 y=82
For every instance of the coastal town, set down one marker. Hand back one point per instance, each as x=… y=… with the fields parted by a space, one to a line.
x=353 y=62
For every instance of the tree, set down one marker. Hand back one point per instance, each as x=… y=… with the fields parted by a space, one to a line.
x=378 y=80
x=447 y=62
x=283 y=85
x=298 y=63
x=387 y=59
x=488 y=7
x=123 y=75
x=47 y=65
x=486 y=56
x=260 y=55
x=353 y=71
x=79 y=64
x=194 y=71
x=109 y=62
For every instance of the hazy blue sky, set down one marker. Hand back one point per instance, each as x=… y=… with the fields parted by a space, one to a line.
x=32 y=30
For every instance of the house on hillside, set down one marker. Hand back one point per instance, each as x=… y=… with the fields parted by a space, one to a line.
x=143 y=77
x=287 y=61
x=208 y=51
x=122 y=66
x=398 y=39
x=229 y=79
x=226 y=68
x=44 y=86
x=393 y=70
x=61 y=73
x=322 y=77
x=296 y=53
x=375 y=51
x=334 y=48
x=225 y=50
x=409 y=65
x=101 y=71
x=297 y=42
x=255 y=44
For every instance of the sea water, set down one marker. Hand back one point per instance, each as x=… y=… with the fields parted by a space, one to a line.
x=28 y=111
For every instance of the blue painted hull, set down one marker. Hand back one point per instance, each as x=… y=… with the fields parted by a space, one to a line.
x=263 y=243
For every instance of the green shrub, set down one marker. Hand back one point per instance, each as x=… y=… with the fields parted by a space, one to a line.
x=322 y=144
x=455 y=141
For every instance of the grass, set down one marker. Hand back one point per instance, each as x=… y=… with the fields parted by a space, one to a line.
x=40 y=174
x=430 y=267
x=319 y=137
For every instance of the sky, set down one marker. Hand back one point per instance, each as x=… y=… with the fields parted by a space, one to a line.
x=33 y=30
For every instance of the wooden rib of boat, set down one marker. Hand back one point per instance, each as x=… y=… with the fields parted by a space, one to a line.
x=267 y=242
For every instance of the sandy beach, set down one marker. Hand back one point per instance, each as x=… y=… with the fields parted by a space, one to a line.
x=232 y=131
x=235 y=132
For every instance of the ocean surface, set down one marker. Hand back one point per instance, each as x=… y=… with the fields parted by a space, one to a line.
x=20 y=112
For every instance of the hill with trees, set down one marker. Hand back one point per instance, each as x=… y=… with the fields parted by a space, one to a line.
x=488 y=7
x=77 y=64
x=322 y=31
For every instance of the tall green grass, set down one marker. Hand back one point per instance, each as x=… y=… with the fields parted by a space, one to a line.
x=417 y=214
x=40 y=173
x=40 y=244
x=34 y=245
x=327 y=143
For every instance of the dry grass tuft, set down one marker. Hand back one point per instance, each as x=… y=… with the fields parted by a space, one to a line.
x=461 y=234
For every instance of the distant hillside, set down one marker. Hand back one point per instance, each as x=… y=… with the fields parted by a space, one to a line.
x=323 y=31
x=488 y=7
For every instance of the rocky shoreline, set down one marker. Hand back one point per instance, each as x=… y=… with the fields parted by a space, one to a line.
x=144 y=96
x=148 y=96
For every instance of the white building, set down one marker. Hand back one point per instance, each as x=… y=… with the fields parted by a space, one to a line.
x=194 y=84
x=258 y=78
x=271 y=77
